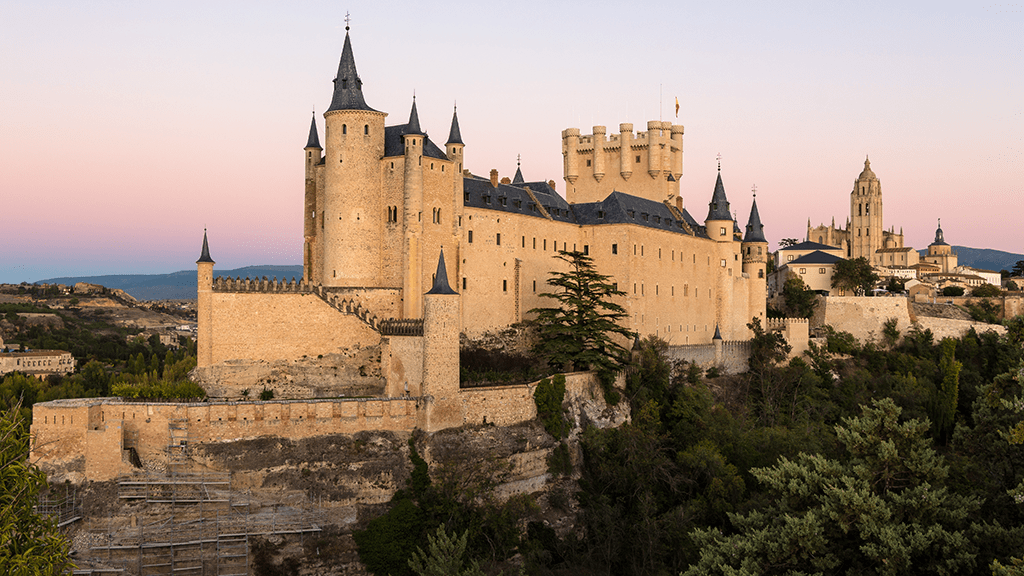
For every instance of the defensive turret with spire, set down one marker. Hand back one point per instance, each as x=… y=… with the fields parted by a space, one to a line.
x=719 y=223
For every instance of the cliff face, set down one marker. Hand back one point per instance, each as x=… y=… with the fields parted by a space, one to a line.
x=309 y=495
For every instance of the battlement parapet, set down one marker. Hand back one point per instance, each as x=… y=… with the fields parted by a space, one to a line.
x=238 y=284
x=401 y=327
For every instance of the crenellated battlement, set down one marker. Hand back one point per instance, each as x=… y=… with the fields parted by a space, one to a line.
x=238 y=284
x=782 y=323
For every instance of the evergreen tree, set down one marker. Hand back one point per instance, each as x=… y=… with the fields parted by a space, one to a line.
x=581 y=331
x=444 y=556
x=884 y=509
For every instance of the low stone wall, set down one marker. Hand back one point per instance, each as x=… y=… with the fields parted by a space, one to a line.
x=862 y=316
x=948 y=328
x=731 y=360
x=64 y=430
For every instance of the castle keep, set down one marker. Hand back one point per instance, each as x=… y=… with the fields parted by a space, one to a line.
x=388 y=214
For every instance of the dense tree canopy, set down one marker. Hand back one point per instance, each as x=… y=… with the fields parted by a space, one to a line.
x=855 y=274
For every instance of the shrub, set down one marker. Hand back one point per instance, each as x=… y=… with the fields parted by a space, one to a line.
x=986 y=291
x=548 y=396
x=952 y=291
x=266 y=394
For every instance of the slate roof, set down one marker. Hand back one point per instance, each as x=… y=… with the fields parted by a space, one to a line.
x=718 y=208
x=314 y=139
x=478 y=193
x=205 y=256
x=441 y=278
x=810 y=246
x=455 y=136
x=755 y=230
x=413 y=127
x=518 y=178
x=620 y=208
x=394 y=146
x=348 y=88
x=816 y=257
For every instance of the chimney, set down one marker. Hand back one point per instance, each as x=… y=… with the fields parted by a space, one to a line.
x=679 y=203
x=494 y=178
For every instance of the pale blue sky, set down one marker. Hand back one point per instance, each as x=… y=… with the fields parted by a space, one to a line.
x=126 y=127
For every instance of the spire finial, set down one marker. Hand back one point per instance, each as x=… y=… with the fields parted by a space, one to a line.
x=519 y=158
x=753 y=189
x=348 y=20
x=719 y=161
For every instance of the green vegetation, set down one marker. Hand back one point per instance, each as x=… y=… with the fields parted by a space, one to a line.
x=580 y=333
x=548 y=396
x=986 y=291
x=952 y=291
x=800 y=300
x=855 y=275
x=460 y=497
x=109 y=363
x=30 y=545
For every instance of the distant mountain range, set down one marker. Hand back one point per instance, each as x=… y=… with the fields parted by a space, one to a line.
x=182 y=285
x=176 y=285
x=984 y=258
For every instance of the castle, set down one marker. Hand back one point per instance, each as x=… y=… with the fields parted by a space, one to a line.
x=387 y=213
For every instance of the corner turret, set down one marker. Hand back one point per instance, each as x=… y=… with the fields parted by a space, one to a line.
x=719 y=223
x=204 y=306
x=348 y=87
x=412 y=193
x=441 y=328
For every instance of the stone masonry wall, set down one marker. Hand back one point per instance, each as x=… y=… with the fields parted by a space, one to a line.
x=862 y=316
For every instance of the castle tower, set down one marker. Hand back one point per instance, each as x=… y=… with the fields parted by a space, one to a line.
x=625 y=150
x=313 y=157
x=755 y=258
x=352 y=234
x=441 y=313
x=412 y=199
x=204 y=306
x=720 y=228
x=865 y=215
x=455 y=149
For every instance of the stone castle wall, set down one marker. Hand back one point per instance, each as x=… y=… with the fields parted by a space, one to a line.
x=862 y=316
x=951 y=328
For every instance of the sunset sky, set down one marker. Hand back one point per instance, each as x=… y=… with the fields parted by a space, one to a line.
x=128 y=127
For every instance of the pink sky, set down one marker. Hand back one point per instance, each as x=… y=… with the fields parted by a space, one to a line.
x=125 y=128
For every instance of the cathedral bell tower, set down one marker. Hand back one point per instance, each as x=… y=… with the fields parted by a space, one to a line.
x=865 y=215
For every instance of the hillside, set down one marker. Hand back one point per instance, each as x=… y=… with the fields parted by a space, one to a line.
x=176 y=285
x=984 y=258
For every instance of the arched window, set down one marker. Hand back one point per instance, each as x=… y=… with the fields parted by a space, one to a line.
x=344 y=128
x=366 y=129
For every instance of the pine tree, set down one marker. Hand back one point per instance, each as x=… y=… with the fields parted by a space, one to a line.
x=882 y=510
x=581 y=331
x=444 y=556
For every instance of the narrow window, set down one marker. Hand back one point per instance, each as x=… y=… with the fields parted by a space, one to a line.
x=498 y=239
x=504 y=285
x=535 y=286
x=470 y=239
x=463 y=282
x=534 y=243
x=524 y=241
x=638 y=159
x=545 y=244
x=344 y=129
x=615 y=248
x=586 y=249
x=588 y=163
x=366 y=129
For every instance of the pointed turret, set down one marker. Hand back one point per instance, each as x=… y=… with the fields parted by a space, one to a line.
x=414 y=120
x=718 y=333
x=518 y=179
x=205 y=256
x=348 y=87
x=314 y=137
x=755 y=230
x=441 y=285
x=455 y=136
x=718 y=208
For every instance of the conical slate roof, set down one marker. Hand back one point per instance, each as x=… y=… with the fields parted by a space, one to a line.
x=205 y=256
x=455 y=136
x=718 y=333
x=718 y=208
x=314 y=138
x=441 y=278
x=519 y=177
x=348 y=88
x=413 y=127
x=755 y=230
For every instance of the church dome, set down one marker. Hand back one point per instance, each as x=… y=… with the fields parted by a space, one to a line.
x=867 y=173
